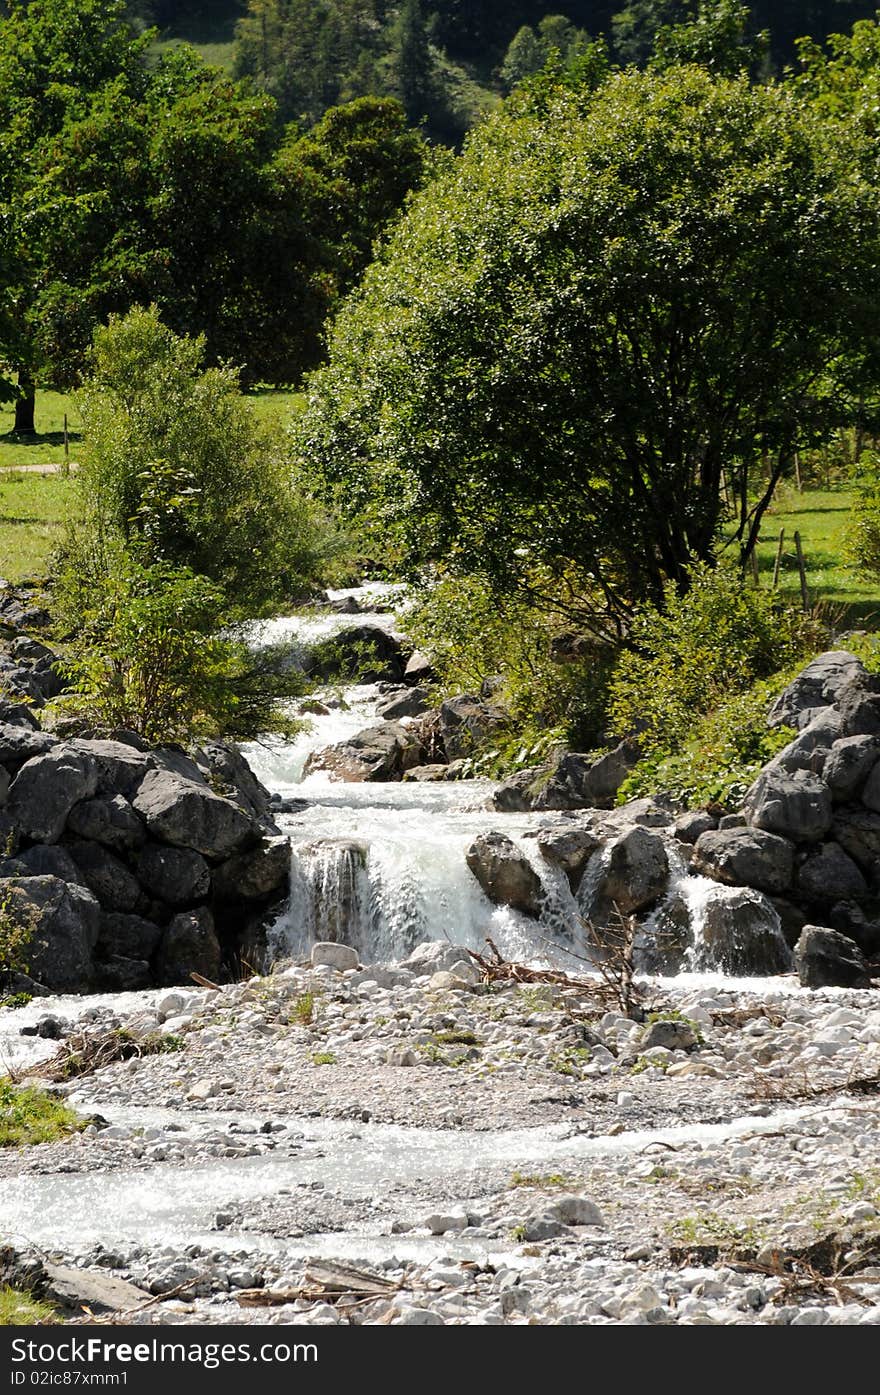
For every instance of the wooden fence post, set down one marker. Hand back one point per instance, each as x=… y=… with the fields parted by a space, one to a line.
x=805 y=600
x=778 y=563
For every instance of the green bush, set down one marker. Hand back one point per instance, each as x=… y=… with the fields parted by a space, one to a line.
x=722 y=756
x=150 y=656
x=863 y=532
x=177 y=467
x=703 y=648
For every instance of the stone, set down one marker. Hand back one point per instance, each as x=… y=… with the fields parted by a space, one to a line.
x=575 y=1210
x=690 y=827
x=128 y=936
x=112 y=822
x=189 y=945
x=64 y=921
x=817 y=685
x=829 y=874
x=810 y=748
x=426 y=774
x=746 y=857
x=378 y=753
x=848 y=765
x=796 y=805
x=252 y=875
x=335 y=956
x=50 y=860
x=673 y=1035
x=433 y=956
x=225 y=765
x=108 y=878
x=468 y=723
x=740 y=934
x=18 y=714
x=20 y=743
x=570 y=849
x=187 y=815
x=177 y=876
x=442 y=1222
x=637 y=871
x=419 y=669
x=505 y=874
x=78 y=1289
x=419 y=1317
x=120 y=767
x=409 y=702
x=826 y=959
x=360 y=653
x=116 y=974
x=542 y=1228
x=858 y=702
x=575 y=781
x=45 y=790
x=871 y=791
x=858 y=833
x=858 y=921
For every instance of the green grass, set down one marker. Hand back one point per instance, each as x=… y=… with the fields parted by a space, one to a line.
x=32 y=511
x=821 y=517
x=22 y=1309
x=33 y=1116
x=47 y=447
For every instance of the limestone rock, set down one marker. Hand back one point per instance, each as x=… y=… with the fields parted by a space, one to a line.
x=112 y=822
x=849 y=763
x=504 y=873
x=746 y=857
x=45 y=790
x=816 y=686
x=796 y=805
x=569 y=849
x=740 y=934
x=251 y=875
x=177 y=876
x=189 y=945
x=335 y=956
x=826 y=959
x=637 y=870
x=467 y=723
x=188 y=815
x=828 y=874
x=379 y=753
x=64 y=921
x=105 y=876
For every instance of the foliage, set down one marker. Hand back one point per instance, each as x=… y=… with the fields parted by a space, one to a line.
x=18 y=923
x=720 y=758
x=863 y=534
x=587 y=323
x=698 y=651
x=552 y=685
x=149 y=656
x=531 y=49
x=32 y=1116
x=19 y=1309
x=178 y=468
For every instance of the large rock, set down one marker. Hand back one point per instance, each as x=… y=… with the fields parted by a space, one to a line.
x=189 y=945
x=574 y=781
x=105 y=876
x=739 y=933
x=45 y=790
x=467 y=723
x=19 y=742
x=379 y=753
x=745 y=857
x=796 y=805
x=818 y=685
x=858 y=833
x=112 y=822
x=826 y=959
x=254 y=874
x=50 y=860
x=637 y=871
x=829 y=874
x=434 y=957
x=408 y=702
x=361 y=653
x=129 y=936
x=504 y=873
x=858 y=703
x=177 y=876
x=77 y=1289
x=64 y=922
x=116 y=974
x=810 y=748
x=121 y=767
x=226 y=766
x=570 y=849
x=848 y=765
x=188 y=815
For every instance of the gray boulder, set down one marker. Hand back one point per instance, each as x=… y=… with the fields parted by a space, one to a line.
x=409 y=702
x=64 y=922
x=871 y=791
x=188 y=815
x=178 y=876
x=434 y=957
x=672 y=1034
x=746 y=857
x=50 y=860
x=105 y=876
x=19 y=742
x=690 y=827
x=848 y=765
x=796 y=805
x=116 y=974
x=740 y=934
x=76 y=1289
x=574 y=781
x=361 y=653
x=129 y=936
x=379 y=753
x=419 y=668
x=810 y=748
x=818 y=685
x=45 y=790
x=121 y=767
x=826 y=959
x=467 y=723
x=254 y=874
x=112 y=822
x=189 y=945
x=570 y=849
x=829 y=874
x=504 y=873
x=17 y=714
x=224 y=764
x=637 y=871
x=858 y=833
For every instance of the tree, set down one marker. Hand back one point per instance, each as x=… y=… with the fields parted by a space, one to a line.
x=719 y=37
x=588 y=322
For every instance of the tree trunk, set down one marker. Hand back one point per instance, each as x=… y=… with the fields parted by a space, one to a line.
x=25 y=404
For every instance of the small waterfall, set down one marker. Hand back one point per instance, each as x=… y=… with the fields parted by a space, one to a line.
x=329 y=894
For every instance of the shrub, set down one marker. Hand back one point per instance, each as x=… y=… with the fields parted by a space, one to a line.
x=697 y=652
x=178 y=468
x=150 y=656
x=863 y=532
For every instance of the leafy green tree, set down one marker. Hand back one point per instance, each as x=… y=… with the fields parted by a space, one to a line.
x=719 y=37
x=587 y=329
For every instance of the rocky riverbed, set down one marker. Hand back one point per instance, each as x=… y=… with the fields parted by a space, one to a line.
x=491 y=1153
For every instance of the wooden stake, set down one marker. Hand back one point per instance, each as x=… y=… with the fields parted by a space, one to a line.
x=778 y=563
x=805 y=600
x=797 y=472
x=66 y=470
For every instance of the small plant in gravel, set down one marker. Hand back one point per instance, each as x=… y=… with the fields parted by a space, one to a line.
x=673 y=1015
x=570 y=1061
x=323 y=1058
x=710 y=1228
x=30 y=1116
x=19 y=1309
x=542 y=1180
x=302 y=1010
x=457 y=1038
x=643 y=1063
